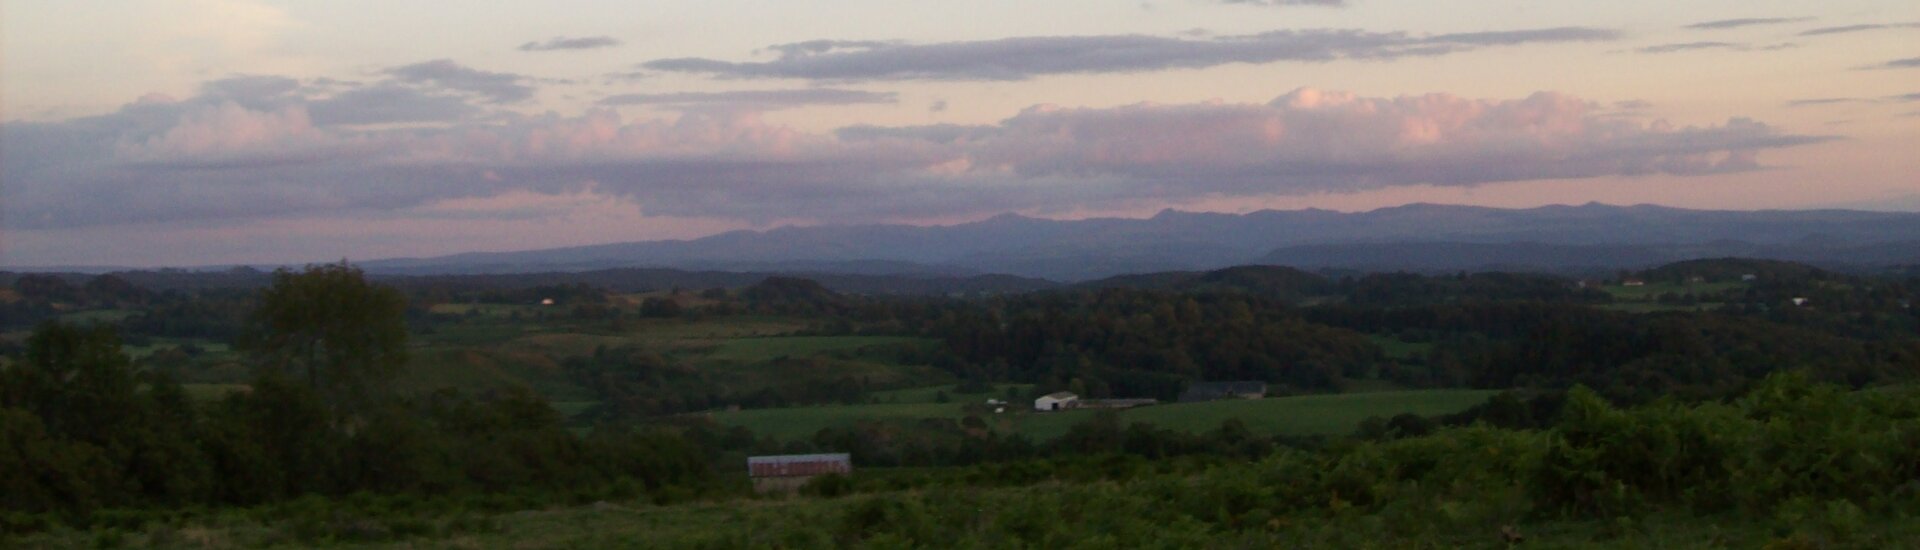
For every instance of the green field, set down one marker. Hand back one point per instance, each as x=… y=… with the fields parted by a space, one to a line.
x=1291 y=416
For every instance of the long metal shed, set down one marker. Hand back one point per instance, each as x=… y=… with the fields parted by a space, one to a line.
x=788 y=472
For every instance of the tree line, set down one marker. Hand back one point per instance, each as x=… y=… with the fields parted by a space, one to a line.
x=84 y=430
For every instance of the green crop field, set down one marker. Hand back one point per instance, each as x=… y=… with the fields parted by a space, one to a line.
x=1292 y=416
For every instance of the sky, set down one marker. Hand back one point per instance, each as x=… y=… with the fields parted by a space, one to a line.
x=204 y=132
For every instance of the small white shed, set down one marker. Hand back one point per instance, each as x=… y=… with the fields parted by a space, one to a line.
x=1055 y=401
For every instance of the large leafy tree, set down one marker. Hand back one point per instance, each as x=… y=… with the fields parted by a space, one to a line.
x=327 y=325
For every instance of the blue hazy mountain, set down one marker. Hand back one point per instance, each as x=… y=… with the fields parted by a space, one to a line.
x=1416 y=237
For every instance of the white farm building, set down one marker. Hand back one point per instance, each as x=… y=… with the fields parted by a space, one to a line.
x=1055 y=401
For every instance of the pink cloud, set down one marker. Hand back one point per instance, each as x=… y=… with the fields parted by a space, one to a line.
x=228 y=161
x=229 y=133
x=1310 y=140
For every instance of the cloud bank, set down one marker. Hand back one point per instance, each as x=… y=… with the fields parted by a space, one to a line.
x=561 y=43
x=1729 y=46
x=755 y=99
x=1282 y=3
x=1859 y=28
x=1022 y=58
x=450 y=76
x=255 y=148
x=1908 y=63
x=1745 y=22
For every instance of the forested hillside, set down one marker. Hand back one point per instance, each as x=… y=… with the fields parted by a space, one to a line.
x=1730 y=401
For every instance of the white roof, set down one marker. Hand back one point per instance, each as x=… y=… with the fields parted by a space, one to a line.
x=1060 y=396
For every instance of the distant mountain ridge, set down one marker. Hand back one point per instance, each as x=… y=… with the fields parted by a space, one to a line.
x=1412 y=237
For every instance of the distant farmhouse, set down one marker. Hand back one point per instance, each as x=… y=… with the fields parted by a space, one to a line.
x=788 y=472
x=1213 y=391
x=1056 y=401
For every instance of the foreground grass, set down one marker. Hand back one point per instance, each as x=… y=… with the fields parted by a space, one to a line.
x=1104 y=514
x=1759 y=472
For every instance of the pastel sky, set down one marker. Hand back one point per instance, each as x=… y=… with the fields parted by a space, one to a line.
x=198 y=132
